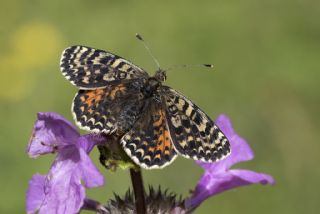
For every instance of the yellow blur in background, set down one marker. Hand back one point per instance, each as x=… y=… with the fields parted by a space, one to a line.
x=266 y=78
x=30 y=46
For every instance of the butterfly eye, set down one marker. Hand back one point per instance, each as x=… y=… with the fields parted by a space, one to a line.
x=164 y=77
x=161 y=75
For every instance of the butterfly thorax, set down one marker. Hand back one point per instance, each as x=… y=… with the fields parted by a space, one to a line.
x=153 y=84
x=150 y=87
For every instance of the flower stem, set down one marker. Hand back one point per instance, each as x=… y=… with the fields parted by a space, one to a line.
x=138 y=189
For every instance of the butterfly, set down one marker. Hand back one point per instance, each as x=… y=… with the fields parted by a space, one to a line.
x=156 y=122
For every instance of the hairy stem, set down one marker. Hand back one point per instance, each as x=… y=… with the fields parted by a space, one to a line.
x=138 y=189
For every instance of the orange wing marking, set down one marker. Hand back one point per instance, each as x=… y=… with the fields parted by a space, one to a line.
x=93 y=97
x=119 y=88
x=164 y=138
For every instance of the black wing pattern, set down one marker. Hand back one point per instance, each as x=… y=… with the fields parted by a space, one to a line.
x=89 y=68
x=193 y=133
x=148 y=143
x=109 y=109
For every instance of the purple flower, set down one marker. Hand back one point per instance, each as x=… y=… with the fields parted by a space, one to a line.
x=61 y=190
x=218 y=177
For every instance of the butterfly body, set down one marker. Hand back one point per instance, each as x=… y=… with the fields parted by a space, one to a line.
x=152 y=87
x=156 y=122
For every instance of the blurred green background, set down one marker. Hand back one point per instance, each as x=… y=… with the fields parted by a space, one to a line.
x=266 y=78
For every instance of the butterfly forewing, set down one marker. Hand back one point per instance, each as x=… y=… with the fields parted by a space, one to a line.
x=109 y=109
x=148 y=143
x=193 y=133
x=89 y=68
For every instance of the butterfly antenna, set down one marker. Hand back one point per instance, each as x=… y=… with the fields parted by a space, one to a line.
x=148 y=49
x=190 y=66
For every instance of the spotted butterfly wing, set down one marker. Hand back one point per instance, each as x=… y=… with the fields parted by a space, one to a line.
x=193 y=133
x=110 y=88
x=148 y=143
x=116 y=96
x=90 y=68
x=112 y=108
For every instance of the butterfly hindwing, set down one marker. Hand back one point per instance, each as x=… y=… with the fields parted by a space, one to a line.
x=148 y=143
x=193 y=133
x=89 y=68
x=109 y=109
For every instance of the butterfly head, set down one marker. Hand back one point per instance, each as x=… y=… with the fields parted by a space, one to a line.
x=161 y=75
x=154 y=82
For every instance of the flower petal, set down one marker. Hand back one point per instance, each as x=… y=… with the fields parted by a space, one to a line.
x=239 y=147
x=250 y=177
x=51 y=131
x=35 y=193
x=218 y=177
x=65 y=192
x=212 y=184
x=89 y=172
x=61 y=191
x=93 y=205
x=91 y=141
x=65 y=197
x=240 y=150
